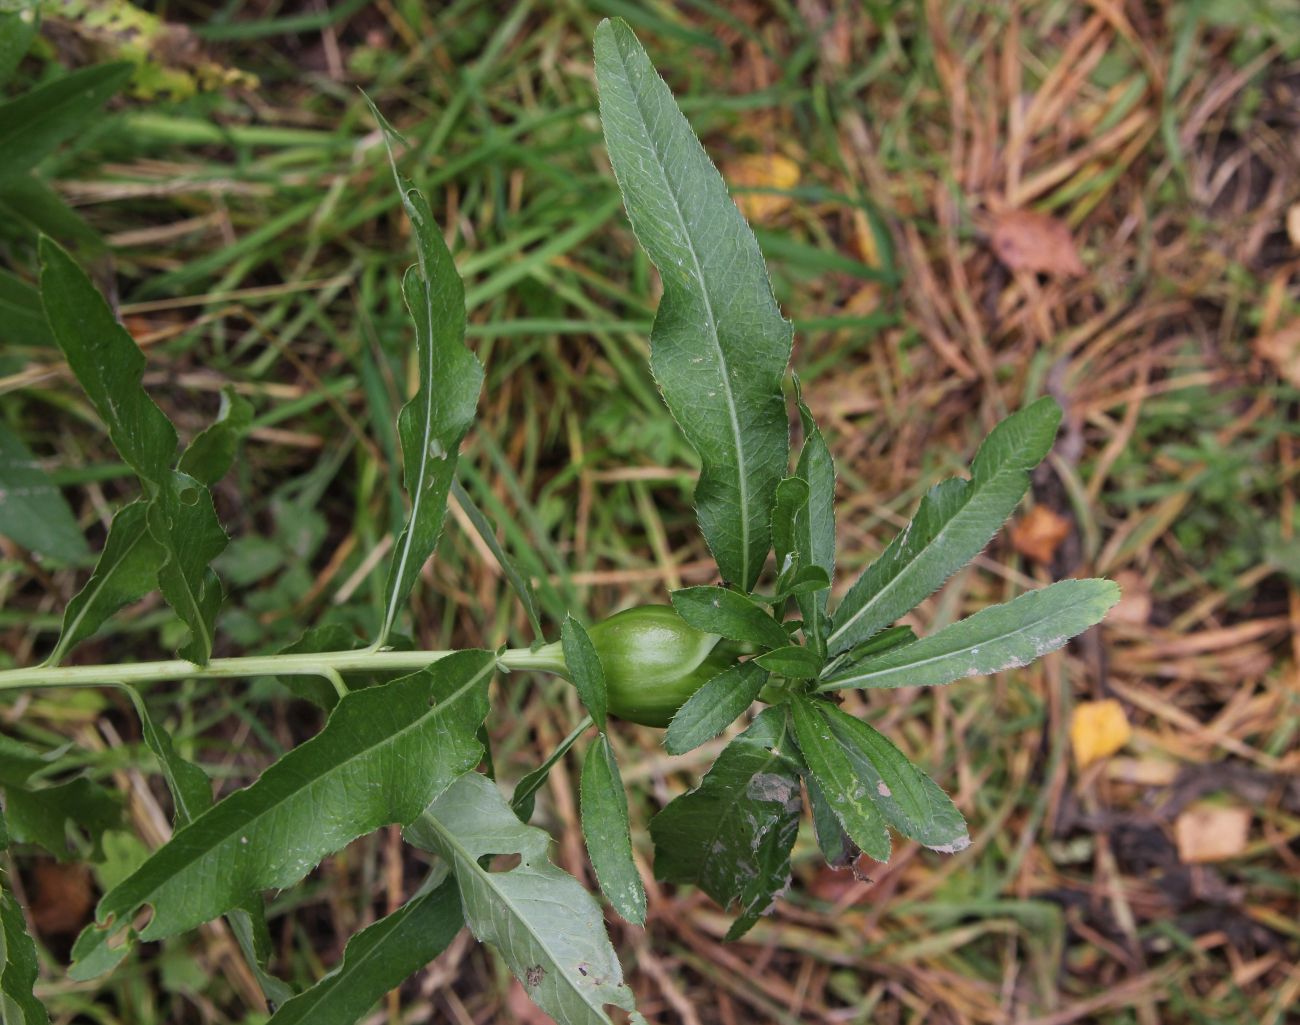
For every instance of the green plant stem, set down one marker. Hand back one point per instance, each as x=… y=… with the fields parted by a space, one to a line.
x=327 y=664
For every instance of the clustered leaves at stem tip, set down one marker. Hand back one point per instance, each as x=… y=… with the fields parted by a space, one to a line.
x=405 y=750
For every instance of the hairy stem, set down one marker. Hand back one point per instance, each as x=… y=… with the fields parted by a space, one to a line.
x=327 y=664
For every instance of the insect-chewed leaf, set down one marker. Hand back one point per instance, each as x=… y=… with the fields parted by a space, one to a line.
x=993 y=639
x=210 y=455
x=605 y=829
x=379 y=958
x=32 y=124
x=585 y=670
x=547 y=927
x=717 y=610
x=33 y=512
x=383 y=755
x=719 y=346
x=127 y=570
x=955 y=521
x=814 y=527
x=868 y=782
x=18 y=967
x=430 y=426
x=714 y=707
x=732 y=835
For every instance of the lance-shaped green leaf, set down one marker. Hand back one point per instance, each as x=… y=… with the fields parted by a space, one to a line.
x=909 y=800
x=32 y=124
x=524 y=799
x=791 y=496
x=549 y=930
x=18 y=22
x=836 y=847
x=18 y=968
x=183 y=520
x=485 y=529
x=42 y=815
x=127 y=570
x=210 y=455
x=993 y=639
x=605 y=830
x=380 y=957
x=955 y=521
x=717 y=610
x=383 y=754
x=814 y=527
x=22 y=318
x=732 y=835
x=840 y=784
x=794 y=662
x=719 y=346
x=714 y=707
x=33 y=512
x=430 y=426
x=583 y=662
x=107 y=363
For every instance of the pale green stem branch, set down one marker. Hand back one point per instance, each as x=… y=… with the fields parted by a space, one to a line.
x=327 y=664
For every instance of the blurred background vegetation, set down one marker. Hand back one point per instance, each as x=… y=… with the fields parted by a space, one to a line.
x=964 y=205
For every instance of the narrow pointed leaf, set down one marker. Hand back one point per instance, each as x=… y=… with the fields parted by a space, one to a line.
x=909 y=800
x=549 y=930
x=955 y=521
x=993 y=639
x=22 y=318
x=840 y=784
x=717 y=610
x=733 y=834
x=584 y=669
x=791 y=497
x=183 y=520
x=33 y=512
x=793 y=662
x=379 y=958
x=107 y=363
x=383 y=754
x=714 y=707
x=605 y=830
x=210 y=455
x=487 y=531
x=836 y=847
x=815 y=527
x=18 y=23
x=430 y=426
x=524 y=798
x=719 y=346
x=32 y=124
x=18 y=968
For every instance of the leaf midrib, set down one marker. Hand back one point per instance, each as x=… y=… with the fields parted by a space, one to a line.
x=741 y=476
x=249 y=824
x=977 y=489
x=943 y=656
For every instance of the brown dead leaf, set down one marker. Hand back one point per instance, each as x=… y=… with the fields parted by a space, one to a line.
x=762 y=171
x=1134 y=605
x=1097 y=730
x=1282 y=349
x=1039 y=533
x=1211 y=832
x=1293 y=224
x=62 y=898
x=1037 y=242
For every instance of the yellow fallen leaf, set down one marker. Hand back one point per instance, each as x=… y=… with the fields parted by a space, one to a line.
x=1282 y=349
x=1211 y=832
x=762 y=171
x=1097 y=730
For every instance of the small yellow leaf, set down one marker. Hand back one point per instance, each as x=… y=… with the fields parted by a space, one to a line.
x=762 y=171
x=1211 y=832
x=1097 y=730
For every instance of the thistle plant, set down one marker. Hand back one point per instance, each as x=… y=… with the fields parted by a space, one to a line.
x=410 y=750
